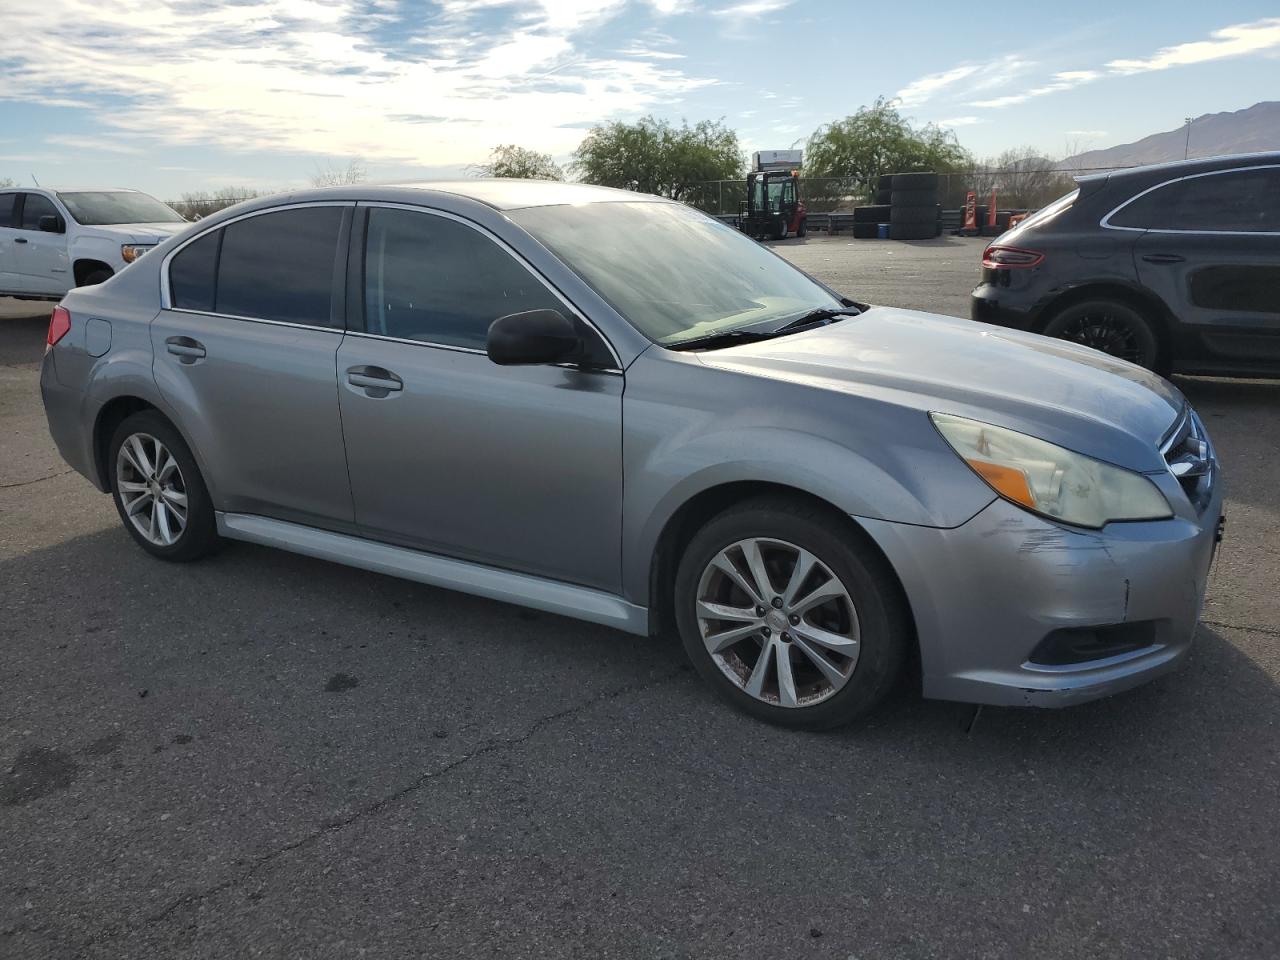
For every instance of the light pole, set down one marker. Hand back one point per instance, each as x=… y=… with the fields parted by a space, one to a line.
x=1186 y=151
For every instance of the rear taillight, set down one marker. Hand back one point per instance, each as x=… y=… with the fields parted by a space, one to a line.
x=59 y=325
x=1010 y=258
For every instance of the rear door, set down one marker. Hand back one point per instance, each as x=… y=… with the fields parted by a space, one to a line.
x=40 y=258
x=8 y=233
x=1213 y=255
x=515 y=467
x=244 y=351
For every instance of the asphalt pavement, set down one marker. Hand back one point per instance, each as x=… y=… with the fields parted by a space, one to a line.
x=264 y=755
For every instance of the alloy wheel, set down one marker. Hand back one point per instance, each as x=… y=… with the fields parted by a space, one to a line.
x=1106 y=332
x=778 y=622
x=152 y=492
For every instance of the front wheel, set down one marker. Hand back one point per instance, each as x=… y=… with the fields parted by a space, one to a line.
x=789 y=615
x=158 y=490
x=1110 y=326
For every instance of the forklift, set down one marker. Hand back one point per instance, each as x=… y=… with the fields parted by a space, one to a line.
x=773 y=209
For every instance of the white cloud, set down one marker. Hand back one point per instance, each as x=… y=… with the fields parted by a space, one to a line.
x=304 y=76
x=1234 y=41
x=924 y=88
x=1087 y=134
x=752 y=8
x=1064 y=80
x=960 y=122
x=91 y=143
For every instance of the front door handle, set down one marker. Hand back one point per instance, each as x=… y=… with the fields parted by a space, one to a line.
x=376 y=382
x=19 y=239
x=1164 y=258
x=185 y=349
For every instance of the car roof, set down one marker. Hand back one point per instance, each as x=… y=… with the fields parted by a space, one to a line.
x=498 y=194
x=1182 y=168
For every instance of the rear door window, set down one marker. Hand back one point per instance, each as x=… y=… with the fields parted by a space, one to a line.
x=280 y=266
x=35 y=207
x=193 y=273
x=1237 y=201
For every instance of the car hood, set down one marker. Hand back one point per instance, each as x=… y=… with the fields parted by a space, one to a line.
x=139 y=233
x=1070 y=395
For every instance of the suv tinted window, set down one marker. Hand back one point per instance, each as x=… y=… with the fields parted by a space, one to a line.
x=279 y=266
x=192 y=274
x=6 y=208
x=1245 y=200
x=433 y=279
x=35 y=207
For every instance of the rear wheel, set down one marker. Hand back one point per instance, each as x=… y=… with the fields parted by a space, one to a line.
x=789 y=616
x=158 y=490
x=1110 y=326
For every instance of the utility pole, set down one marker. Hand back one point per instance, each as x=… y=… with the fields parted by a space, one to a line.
x=1186 y=151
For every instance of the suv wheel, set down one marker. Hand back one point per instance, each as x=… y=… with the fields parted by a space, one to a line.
x=789 y=616
x=1110 y=326
x=158 y=490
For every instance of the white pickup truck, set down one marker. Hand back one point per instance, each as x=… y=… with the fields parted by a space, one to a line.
x=53 y=240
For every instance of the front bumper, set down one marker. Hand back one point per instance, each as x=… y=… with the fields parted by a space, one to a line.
x=986 y=593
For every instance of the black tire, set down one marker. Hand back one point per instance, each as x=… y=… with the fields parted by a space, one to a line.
x=884 y=196
x=1115 y=328
x=885 y=182
x=804 y=227
x=927 y=215
x=877 y=213
x=915 y=198
x=915 y=181
x=883 y=619
x=913 y=231
x=97 y=277
x=200 y=535
x=866 y=231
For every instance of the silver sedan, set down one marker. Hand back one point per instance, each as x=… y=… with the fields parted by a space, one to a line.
x=613 y=407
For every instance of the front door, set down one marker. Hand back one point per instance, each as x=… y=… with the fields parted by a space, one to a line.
x=246 y=354
x=40 y=259
x=1215 y=260
x=514 y=467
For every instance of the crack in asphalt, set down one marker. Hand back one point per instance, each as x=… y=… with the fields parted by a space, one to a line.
x=27 y=483
x=488 y=747
x=1247 y=629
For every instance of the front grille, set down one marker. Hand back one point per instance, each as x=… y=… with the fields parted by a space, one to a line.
x=1191 y=459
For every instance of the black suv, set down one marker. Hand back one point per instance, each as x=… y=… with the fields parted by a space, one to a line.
x=1175 y=267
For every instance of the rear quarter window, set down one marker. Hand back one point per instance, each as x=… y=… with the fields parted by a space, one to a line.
x=193 y=272
x=6 y=208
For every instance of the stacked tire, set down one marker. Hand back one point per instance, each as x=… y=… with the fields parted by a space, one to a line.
x=884 y=189
x=867 y=220
x=914 y=210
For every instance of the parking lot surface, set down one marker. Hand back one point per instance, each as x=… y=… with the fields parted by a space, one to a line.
x=268 y=755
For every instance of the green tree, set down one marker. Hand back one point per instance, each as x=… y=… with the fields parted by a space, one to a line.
x=520 y=163
x=8 y=182
x=654 y=156
x=878 y=139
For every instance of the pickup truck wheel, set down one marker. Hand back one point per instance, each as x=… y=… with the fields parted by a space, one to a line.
x=789 y=615
x=98 y=276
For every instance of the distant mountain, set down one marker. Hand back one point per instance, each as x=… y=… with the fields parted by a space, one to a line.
x=1213 y=134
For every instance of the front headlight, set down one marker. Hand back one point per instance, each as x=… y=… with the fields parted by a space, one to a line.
x=1050 y=480
x=130 y=252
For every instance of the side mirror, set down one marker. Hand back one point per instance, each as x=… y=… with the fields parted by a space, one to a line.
x=533 y=337
x=50 y=224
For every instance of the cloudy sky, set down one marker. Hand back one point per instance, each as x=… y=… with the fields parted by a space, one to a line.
x=177 y=95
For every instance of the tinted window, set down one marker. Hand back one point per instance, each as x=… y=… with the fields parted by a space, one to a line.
x=6 y=208
x=1248 y=200
x=36 y=206
x=433 y=279
x=280 y=266
x=192 y=271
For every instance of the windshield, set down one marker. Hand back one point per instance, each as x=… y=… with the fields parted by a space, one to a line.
x=100 y=208
x=673 y=272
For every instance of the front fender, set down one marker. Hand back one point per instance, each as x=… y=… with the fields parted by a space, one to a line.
x=97 y=248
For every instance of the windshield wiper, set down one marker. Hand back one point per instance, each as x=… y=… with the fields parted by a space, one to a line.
x=729 y=338
x=814 y=318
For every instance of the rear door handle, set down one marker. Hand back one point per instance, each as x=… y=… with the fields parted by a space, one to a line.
x=375 y=381
x=1164 y=258
x=185 y=349
x=19 y=239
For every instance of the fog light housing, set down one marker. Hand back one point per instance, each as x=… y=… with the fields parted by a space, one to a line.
x=1071 y=645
